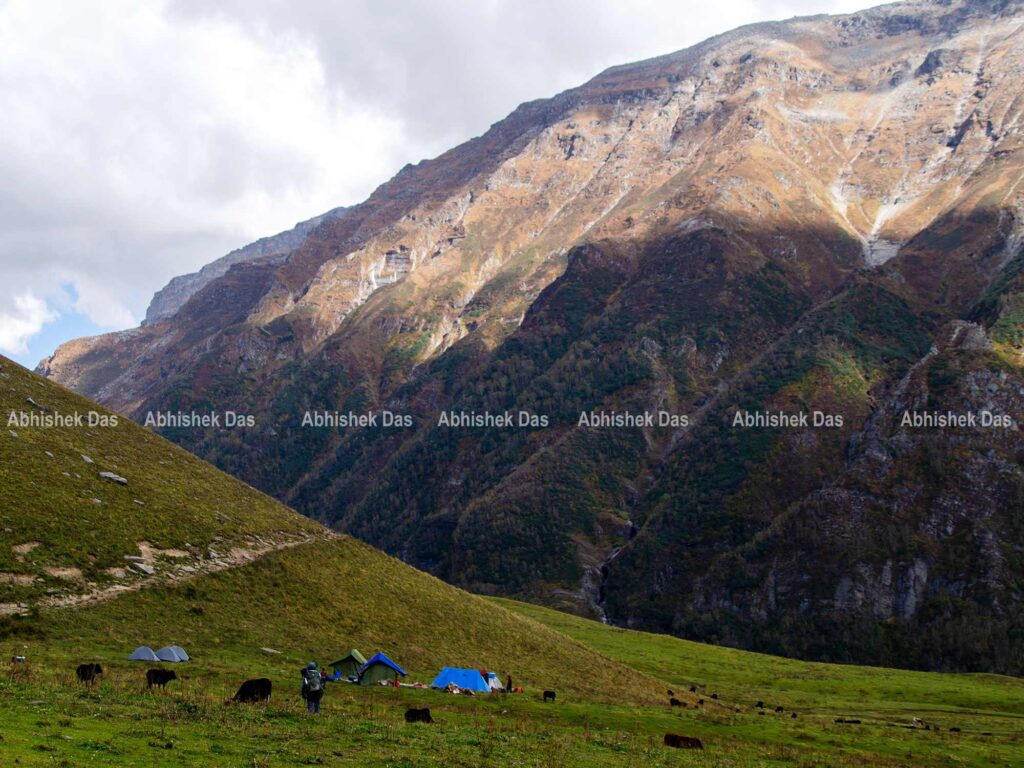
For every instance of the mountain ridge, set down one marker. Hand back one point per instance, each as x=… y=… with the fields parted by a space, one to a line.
x=791 y=216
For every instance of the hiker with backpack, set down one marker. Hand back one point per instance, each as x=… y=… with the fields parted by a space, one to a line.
x=312 y=688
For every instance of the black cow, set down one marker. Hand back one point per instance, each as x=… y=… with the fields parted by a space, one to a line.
x=254 y=691
x=793 y=715
x=682 y=742
x=414 y=715
x=714 y=696
x=159 y=677
x=549 y=696
x=779 y=709
x=693 y=689
x=674 y=702
x=760 y=705
x=87 y=673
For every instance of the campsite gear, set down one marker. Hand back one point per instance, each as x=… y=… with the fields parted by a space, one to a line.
x=348 y=665
x=143 y=653
x=465 y=679
x=380 y=669
x=493 y=682
x=312 y=688
x=171 y=654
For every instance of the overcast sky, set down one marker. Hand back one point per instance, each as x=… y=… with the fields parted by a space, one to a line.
x=141 y=139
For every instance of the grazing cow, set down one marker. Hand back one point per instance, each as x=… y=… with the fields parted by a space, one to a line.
x=159 y=677
x=792 y=715
x=414 y=715
x=779 y=709
x=760 y=705
x=674 y=702
x=254 y=691
x=549 y=696
x=682 y=742
x=87 y=673
x=700 y=702
x=671 y=693
x=714 y=696
x=954 y=729
x=693 y=689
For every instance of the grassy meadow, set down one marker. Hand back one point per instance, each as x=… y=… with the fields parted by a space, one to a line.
x=252 y=589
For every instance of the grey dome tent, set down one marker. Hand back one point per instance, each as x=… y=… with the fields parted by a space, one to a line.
x=143 y=653
x=170 y=653
x=181 y=653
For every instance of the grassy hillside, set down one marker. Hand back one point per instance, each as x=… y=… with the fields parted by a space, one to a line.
x=989 y=709
x=318 y=600
x=251 y=589
x=64 y=529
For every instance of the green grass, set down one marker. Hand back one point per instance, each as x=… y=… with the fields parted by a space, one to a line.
x=317 y=599
x=884 y=699
x=52 y=496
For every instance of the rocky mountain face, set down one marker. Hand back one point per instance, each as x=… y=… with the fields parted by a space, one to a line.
x=169 y=299
x=823 y=216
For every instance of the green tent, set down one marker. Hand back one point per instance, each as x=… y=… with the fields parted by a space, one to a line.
x=379 y=669
x=348 y=665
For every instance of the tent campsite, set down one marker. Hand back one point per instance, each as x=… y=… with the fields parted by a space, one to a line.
x=348 y=666
x=470 y=679
x=379 y=669
x=172 y=653
x=143 y=653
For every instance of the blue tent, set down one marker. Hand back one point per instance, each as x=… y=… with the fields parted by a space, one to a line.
x=464 y=678
x=379 y=669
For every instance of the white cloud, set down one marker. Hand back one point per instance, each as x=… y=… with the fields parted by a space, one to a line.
x=141 y=139
x=25 y=319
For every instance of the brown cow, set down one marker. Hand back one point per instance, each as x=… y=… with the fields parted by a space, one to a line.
x=682 y=742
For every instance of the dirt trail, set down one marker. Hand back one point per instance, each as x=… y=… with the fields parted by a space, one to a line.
x=233 y=556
